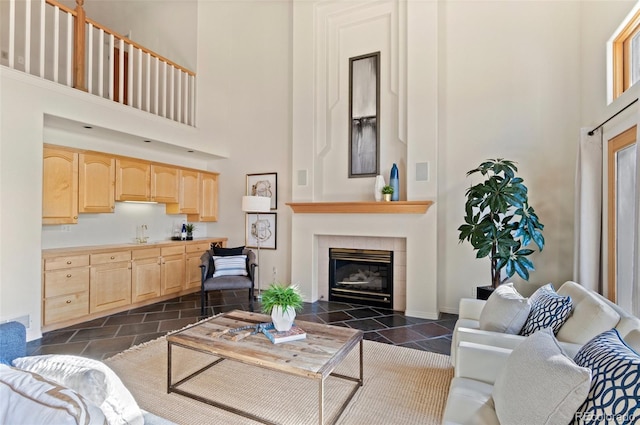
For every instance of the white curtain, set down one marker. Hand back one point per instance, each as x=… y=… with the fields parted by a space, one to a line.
x=587 y=264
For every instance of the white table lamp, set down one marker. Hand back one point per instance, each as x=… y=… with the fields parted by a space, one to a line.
x=256 y=204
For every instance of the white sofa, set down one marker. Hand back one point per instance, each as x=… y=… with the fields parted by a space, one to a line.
x=479 y=356
x=592 y=314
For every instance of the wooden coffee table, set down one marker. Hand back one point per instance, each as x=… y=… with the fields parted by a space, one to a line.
x=330 y=344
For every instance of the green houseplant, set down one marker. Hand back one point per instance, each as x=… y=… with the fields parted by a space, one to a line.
x=387 y=191
x=281 y=302
x=499 y=222
x=190 y=228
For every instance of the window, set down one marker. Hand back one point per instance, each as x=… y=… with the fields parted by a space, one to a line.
x=625 y=53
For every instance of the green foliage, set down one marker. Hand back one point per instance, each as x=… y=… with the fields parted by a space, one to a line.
x=190 y=227
x=499 y=222
x=284 y=296
x=387 y=190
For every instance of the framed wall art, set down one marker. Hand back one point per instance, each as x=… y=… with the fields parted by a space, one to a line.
x=262 y=227
x=265 y=184
x=364 y=114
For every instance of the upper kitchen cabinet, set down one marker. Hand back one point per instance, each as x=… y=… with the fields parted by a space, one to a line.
x=208 y=198
x=97 y=179
x=164 y=184
x=133 y=180
x=59 y=186
x=189 y=193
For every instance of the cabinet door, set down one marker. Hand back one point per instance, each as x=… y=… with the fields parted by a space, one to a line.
x=133 y=180
x=145 y=279
x=110 y=286
x=65 y=307
x=59 y=186
x=172 y=273
x=209 y=197
x=164 y=184
x=97 y=179
x=193 y=271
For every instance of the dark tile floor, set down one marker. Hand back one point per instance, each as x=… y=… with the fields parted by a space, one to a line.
x=104 y=337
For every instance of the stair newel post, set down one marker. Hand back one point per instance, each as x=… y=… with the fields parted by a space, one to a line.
x=79 y=42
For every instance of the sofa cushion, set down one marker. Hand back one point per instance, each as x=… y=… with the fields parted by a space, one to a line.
x=590 y=317
x=28 y=398
x=548 y=310
x=539 y=384
x=92 y=379
x=505 y=310
x=615 y=388
x=225 y=252
x=13 y=341
x=231 y=265
x=633 y=340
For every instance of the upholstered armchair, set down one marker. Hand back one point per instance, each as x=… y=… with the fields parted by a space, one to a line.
x=227 y=268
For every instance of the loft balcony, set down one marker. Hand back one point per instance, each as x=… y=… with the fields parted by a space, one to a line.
x=49 y=40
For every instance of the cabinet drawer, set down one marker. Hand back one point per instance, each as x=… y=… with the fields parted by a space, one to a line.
x=145 y=253
x=110 y=257
x=198 y=247
x=66 y=307
x=66 y=262
x=63 y=282
x=173 y=250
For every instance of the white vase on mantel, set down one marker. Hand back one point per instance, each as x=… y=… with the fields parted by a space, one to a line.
x=283 y=320
x=377 y=190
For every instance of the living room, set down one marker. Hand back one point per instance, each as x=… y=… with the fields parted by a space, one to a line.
x=461 y=81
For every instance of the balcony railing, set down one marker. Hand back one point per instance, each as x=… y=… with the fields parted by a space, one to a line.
x=60 y=44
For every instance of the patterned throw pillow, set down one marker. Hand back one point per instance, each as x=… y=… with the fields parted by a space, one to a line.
x=231 y=265
x=614 y=396
x=548 y=310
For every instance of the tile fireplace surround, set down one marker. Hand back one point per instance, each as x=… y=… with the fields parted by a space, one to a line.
x=397 y=245
x=410 y=235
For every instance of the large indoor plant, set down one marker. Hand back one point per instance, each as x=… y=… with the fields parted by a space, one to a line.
x=281 y=302
x=499 y=222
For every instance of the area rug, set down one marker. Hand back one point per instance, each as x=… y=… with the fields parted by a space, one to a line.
x=401 y=386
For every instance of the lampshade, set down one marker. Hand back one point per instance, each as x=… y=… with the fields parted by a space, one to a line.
x=256 y=204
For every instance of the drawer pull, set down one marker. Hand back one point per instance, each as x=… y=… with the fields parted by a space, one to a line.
x=68 y=301
x=69 y=275
x=68 y=262
x=113 y=258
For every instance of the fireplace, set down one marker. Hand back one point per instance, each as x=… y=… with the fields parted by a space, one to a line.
x=361 y=276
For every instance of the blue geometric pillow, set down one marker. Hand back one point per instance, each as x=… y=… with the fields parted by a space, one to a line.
x=548 y=310
x=614 y=396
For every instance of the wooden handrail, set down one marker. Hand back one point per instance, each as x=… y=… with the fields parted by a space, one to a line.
x=61 y=6
x=134 y=44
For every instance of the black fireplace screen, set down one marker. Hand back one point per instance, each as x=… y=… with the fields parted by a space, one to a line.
x=361 y=276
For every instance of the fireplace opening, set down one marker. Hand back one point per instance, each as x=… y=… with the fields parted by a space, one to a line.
x=361 y=276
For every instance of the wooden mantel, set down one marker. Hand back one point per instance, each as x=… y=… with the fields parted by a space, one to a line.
x=394 y=207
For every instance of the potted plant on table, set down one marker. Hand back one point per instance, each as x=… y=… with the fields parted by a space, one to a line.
x=281 y=302
x=499 y=222
x=387 y=191
x=190 y=228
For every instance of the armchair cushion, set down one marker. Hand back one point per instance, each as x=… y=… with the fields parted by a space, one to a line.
x=505 y=311
x=539 y=384
x=615 y=386
x=548 y=310
x=13 y=342
x=223 y=252
x=231 y=265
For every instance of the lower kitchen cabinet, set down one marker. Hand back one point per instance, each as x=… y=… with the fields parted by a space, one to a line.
x=145 y=274
x=110 y=286
x=172 y=271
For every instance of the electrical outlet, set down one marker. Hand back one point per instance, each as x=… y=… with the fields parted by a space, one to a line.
x=65 y=228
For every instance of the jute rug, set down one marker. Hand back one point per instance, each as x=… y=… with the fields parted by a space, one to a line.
x=401 y=386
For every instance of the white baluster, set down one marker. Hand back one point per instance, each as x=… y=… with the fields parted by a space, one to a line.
x=89 y=31
x=147 y=103
x=172 y=98
x=157 y=89
x=179 y=96
x=12 y=30
x=112 y=62
x=56 y=41
x=193 y=100
x=121 y=71
x=164 y=89
x=130 y=77
x=27 y=37
x=100 y=62
x=69 y=49
x=139 y=100
x=43 y=9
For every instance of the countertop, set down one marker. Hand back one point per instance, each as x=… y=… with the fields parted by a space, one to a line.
x=131 y=245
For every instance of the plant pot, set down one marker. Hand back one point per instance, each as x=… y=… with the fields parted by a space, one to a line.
x=189 y=236
x=484 y=292
x=387 y=197
x=283 y=321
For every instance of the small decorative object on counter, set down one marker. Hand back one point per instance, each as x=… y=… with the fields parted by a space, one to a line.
x=377 y=190
x=387 y=192
x=190 y=228
x=394 y=182
x=183 y=232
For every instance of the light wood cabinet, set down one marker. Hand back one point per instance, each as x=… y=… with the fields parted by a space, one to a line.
x=110 y=280
x=133 y=180
x=189 y=193
x=96 y=183
x=193 y=253
x=65 y=288
x=208 y=198
x=172 y=270
x=145 y=274
x=164 y=184
x=59 y=186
